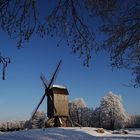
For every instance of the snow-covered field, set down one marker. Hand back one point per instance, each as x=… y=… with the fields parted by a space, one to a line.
x=73 y=133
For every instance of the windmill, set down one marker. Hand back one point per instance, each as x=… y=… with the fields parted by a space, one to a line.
x=57 y=100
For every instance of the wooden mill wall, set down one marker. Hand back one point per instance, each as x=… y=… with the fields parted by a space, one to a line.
x=60 y=99
x=61 y=104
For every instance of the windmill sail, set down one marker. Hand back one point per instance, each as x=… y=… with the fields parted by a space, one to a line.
x=47 y=89
x=43 y=79
x=55 y=74
x=35 y=110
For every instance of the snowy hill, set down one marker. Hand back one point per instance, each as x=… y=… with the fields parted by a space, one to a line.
x=84 y=133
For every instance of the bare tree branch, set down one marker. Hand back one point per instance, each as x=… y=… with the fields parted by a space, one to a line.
x=68 y=20
x=4 y=61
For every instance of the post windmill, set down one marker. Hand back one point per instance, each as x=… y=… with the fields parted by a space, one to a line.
x=57 y=100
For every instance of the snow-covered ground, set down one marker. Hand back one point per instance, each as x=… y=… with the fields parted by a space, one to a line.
x=73 y=133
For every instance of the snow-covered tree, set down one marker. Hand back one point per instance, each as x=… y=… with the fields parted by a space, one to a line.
x=78 y=103
x=134 y=121
x=137 y=121
x=85 y=115
x=96 y=117
x=79 y=113
x=75 y=109
x=112 y=113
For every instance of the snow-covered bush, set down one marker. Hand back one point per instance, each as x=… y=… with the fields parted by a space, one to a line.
x=14 y=125
x=37 y=122
x=3 y=126
x=111 y=112
x=10 y=126
x=22 y=123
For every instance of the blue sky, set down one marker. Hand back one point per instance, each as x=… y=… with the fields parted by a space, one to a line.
x=22 y=89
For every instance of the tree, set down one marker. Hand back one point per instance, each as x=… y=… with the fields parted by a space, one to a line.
x=123 y=41
x=68 y=19
x=111 y=112
x=134 y=121
x=96 y=118
x=78 y=103
x=21 y=19
x=75 y=109
x=86 y=114
x=80 y=113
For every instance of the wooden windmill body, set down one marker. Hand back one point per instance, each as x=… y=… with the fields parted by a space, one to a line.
x=57 y=101
x=59 y=96
x=57 y=105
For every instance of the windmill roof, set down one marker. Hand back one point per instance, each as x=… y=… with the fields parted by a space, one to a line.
x=58 y=89
x=59 y=86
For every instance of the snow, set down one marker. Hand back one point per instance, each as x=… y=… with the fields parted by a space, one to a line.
x=59 y=86
x=69 y=133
